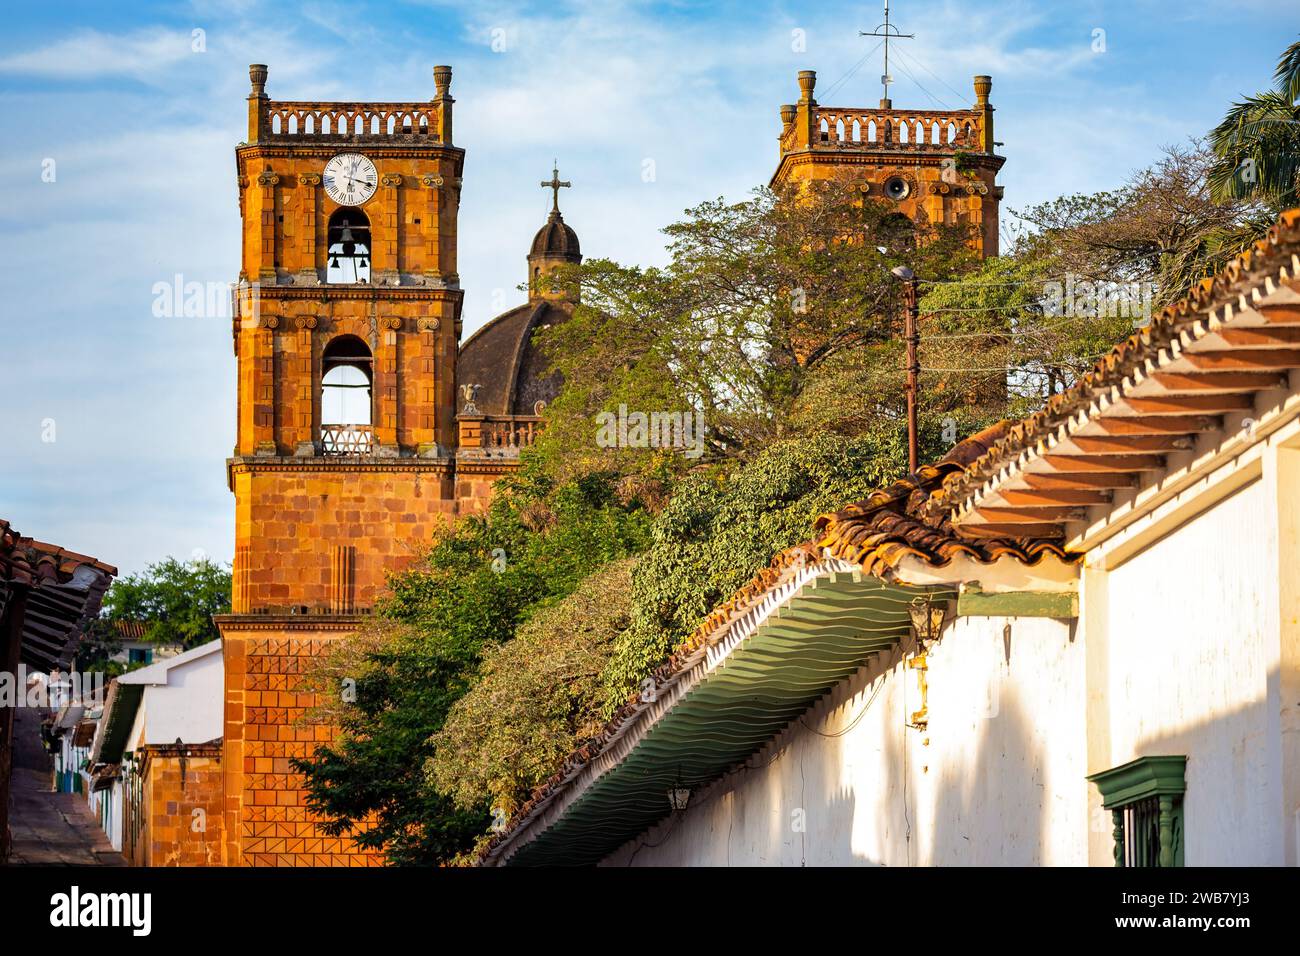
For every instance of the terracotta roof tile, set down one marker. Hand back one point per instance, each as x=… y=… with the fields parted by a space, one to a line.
x=28 y=561
x=895 y=523
x=1125 y=358
x=64 y=591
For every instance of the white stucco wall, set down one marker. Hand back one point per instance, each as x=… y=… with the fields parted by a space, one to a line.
x=189 y=706
x=996 y=778
x=1192 y=632
x=1188 y=643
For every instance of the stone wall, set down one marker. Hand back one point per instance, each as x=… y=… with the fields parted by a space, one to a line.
x=182 y=813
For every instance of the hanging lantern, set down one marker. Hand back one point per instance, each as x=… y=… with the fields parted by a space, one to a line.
x=927 y=618
x=678 y=797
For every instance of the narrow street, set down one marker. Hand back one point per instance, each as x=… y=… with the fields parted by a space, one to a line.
x=50 y=829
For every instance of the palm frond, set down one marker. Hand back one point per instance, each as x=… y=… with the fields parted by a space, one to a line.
x=1288 y=73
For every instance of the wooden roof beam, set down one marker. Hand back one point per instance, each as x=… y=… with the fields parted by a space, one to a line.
x=1282 y=313
x=1200 y=382
x=1032 y=516
x=1185 y=404
x=1090 y=464
x=1246 y=359
x=1261 y=337
x=1157 y=424
x=985 y=529
x=1020 y=498
x=1130 y=444
x=1056 y=482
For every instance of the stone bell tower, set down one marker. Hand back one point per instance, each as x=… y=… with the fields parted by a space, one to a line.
x=347 y=318
x=936 y=166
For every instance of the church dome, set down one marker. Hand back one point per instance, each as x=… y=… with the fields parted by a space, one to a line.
x=512 y=374
x=556 y=240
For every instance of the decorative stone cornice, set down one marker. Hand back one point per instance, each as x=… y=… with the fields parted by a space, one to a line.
x=269 y=291
x=326 y=150
x=328 y=464
x=235 y=623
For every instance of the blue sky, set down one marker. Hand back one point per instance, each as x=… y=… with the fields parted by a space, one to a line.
x=142 y=129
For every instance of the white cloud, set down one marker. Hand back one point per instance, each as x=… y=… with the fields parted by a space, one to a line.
x=90 y=54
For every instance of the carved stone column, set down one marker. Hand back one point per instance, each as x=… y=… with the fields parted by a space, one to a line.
x=301 y=425
x=425 y=386
x=263 y=385
x=309 y=267
x=386 y=386
x=387 y=239
x=268 y=182
x=432 y=223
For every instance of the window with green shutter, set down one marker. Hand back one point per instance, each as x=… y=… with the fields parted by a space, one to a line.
x=1145 y=800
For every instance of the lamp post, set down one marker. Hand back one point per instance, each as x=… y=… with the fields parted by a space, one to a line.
x=912 y=336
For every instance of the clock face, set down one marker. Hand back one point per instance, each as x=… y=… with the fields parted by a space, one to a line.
x=350 y=179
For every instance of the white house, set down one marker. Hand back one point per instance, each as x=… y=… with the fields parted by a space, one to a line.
x=169 y=711
x=1075 y=641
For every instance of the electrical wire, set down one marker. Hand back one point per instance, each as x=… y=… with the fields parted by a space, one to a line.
x=834 y=87
x=856 y=720
x=933 y=99
x=919 y=62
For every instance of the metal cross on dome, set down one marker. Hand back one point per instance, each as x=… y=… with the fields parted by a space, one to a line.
x=555 y=186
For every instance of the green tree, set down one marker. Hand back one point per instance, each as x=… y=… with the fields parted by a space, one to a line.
x=173 y=599
x=759 y=297
x=720 y=529
x=535 y=698
x=1162 y=229
x=1258 y=143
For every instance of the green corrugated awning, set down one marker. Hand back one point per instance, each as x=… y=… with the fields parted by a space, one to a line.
x=820 y=636
x=119 y=712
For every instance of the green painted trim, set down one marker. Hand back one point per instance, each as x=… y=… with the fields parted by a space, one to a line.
x=1161 y=778
x=1058 y=604
x=1141 y=778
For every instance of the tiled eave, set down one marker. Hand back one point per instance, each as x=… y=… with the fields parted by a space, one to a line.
x=713 y=709
x=63 y=593
x=1165 y=399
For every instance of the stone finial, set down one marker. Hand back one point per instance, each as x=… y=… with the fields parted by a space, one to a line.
x=442 y=79
x=983 y=84
x=788 y=112
x=807 y=80
x=257 y=74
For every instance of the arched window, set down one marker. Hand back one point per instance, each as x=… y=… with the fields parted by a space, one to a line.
x=348 y=246
x=345 y=397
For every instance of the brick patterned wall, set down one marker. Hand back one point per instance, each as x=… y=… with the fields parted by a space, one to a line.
x=174 y=835
x=266 y=816
x=289 y=522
